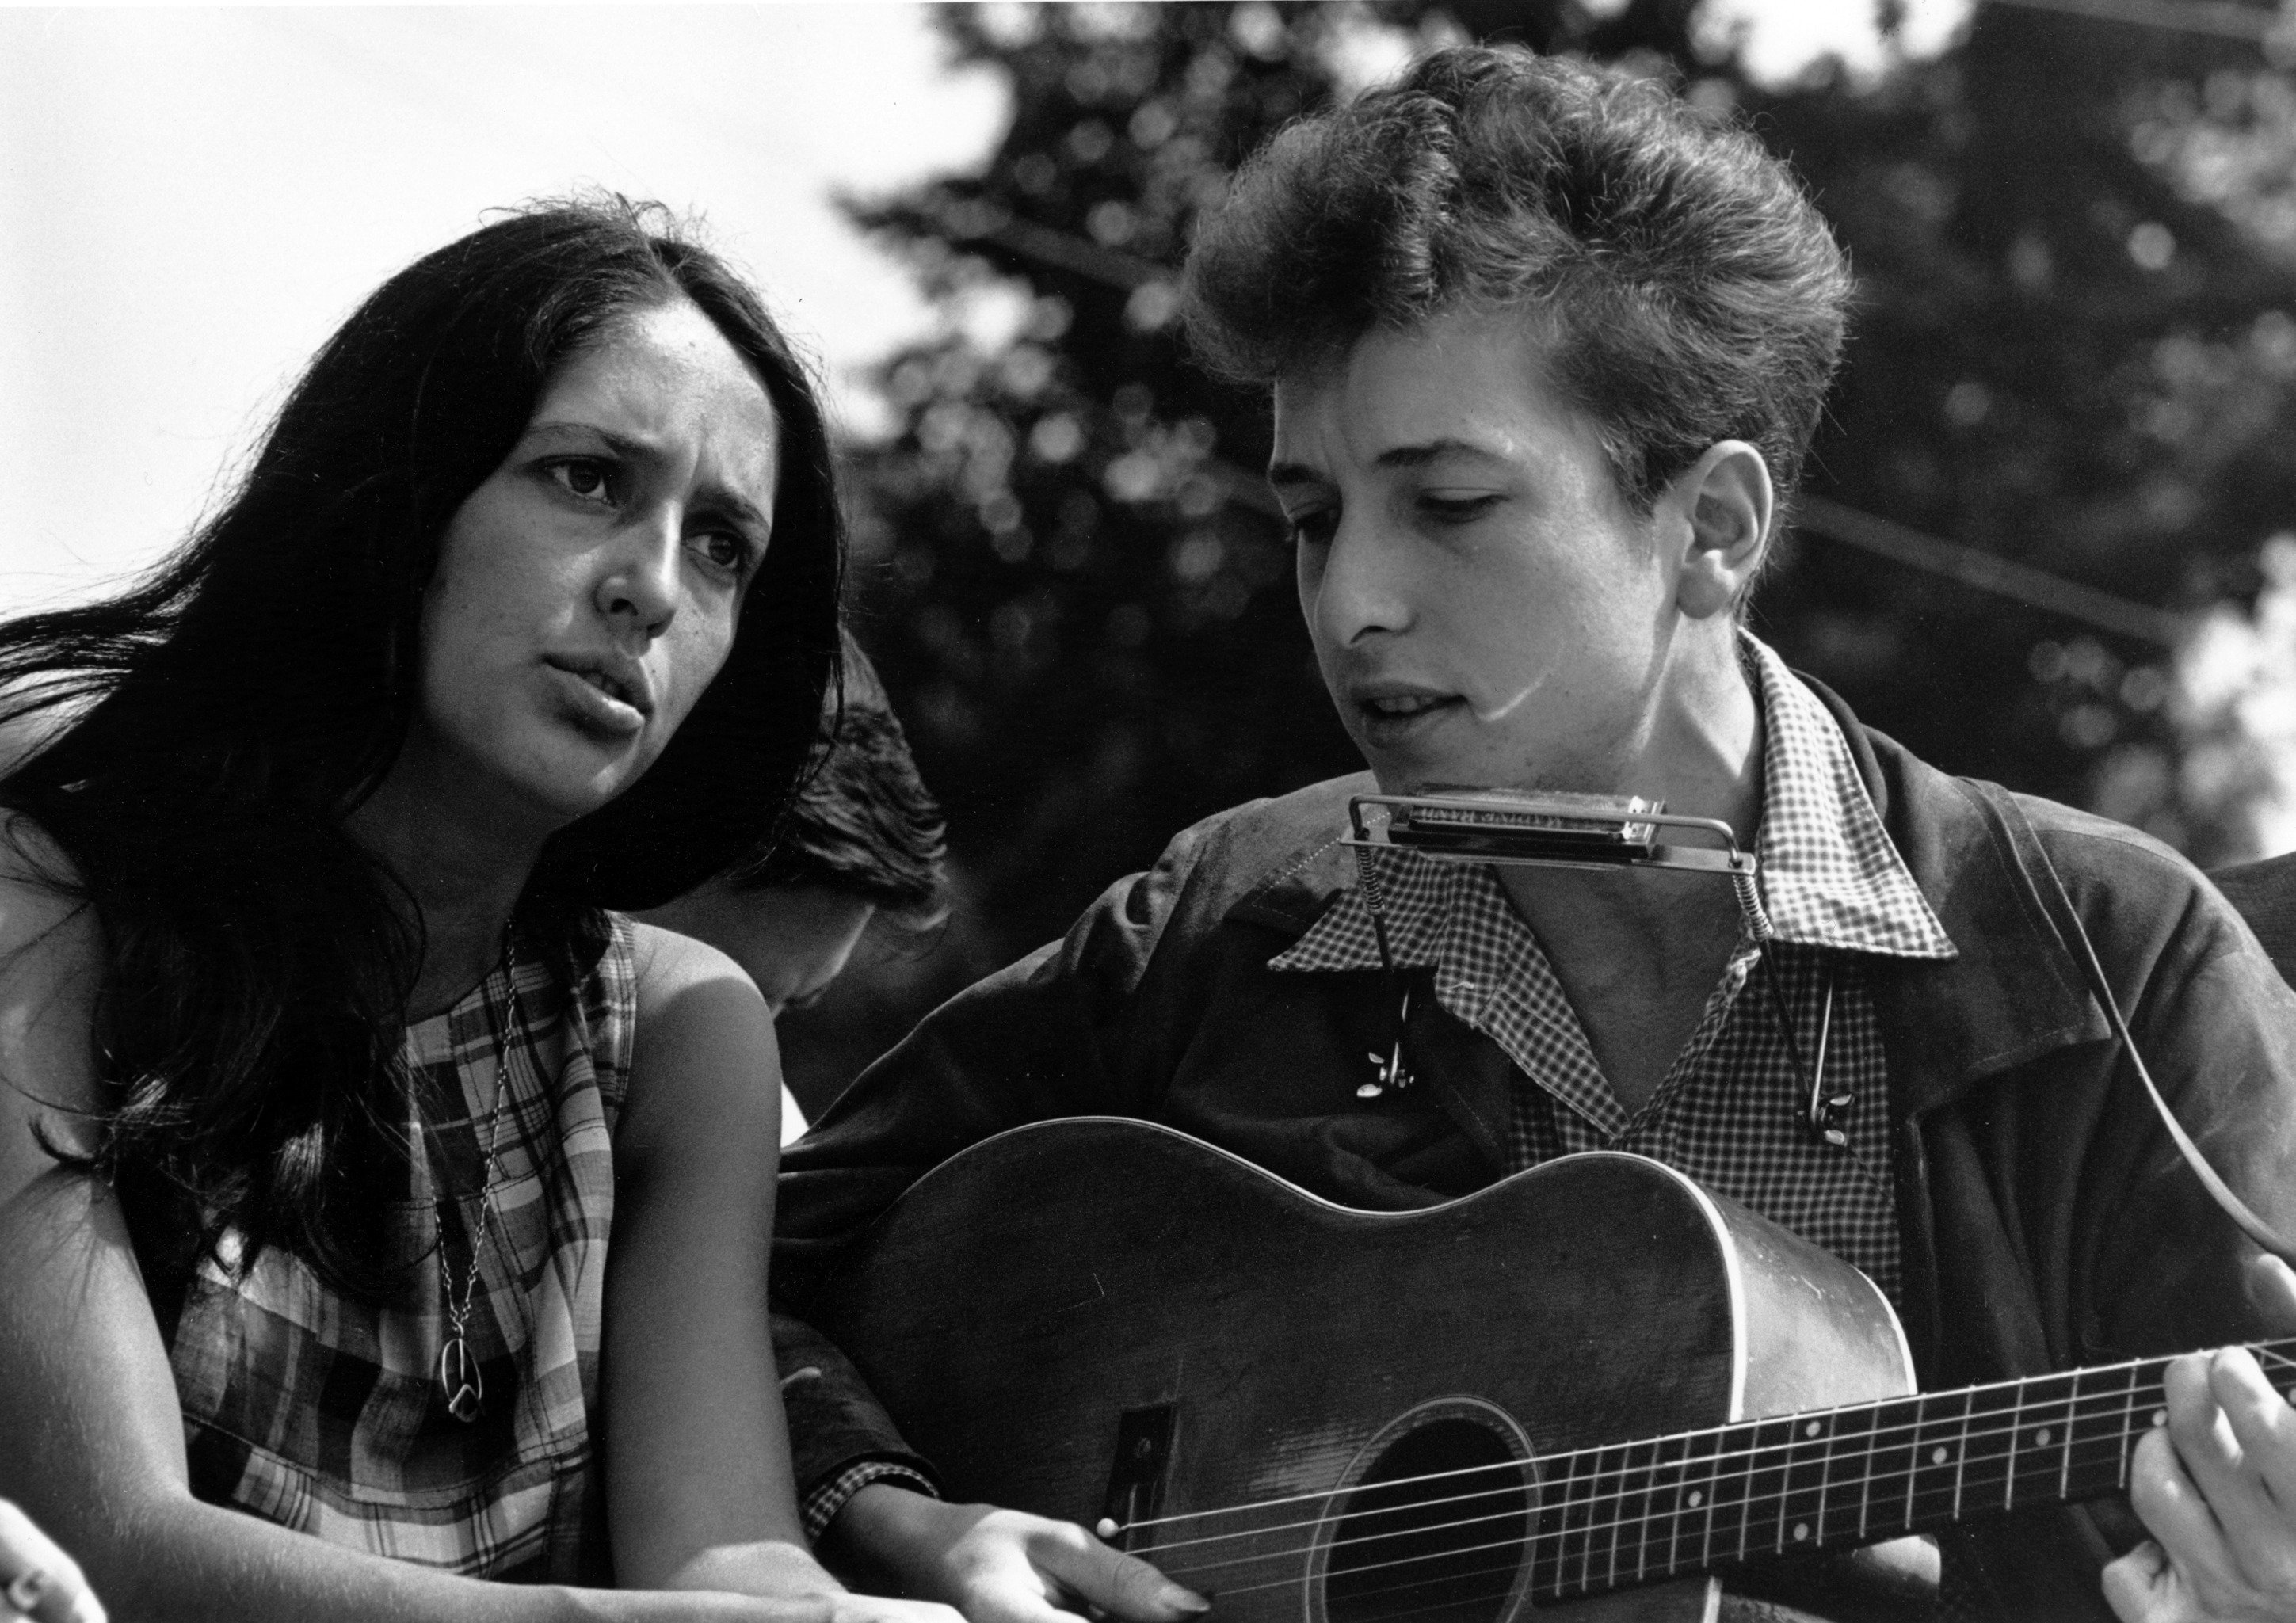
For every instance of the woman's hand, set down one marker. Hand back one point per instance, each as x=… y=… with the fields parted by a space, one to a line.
x=834 y=1604
x=2217 y=1488
x=997 y=1566
x=38 y=1582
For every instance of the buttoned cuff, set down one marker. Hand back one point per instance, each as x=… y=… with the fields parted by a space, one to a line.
x=822 y=1503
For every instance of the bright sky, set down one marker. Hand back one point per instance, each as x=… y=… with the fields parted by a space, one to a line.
x=191 y=199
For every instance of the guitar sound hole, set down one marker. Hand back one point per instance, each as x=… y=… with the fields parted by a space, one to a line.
x=1433 y=1532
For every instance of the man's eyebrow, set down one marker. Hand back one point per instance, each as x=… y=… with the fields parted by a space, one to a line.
x=1433 y=450
x=1399 y=457
x=732 y=504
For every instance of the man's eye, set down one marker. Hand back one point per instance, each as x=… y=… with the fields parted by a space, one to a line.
x=1456 y=509
x=1313 y=528
x=584 y=476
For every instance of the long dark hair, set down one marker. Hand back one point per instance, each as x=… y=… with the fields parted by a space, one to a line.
x=209 y=728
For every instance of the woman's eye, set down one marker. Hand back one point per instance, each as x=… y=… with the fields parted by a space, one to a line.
x=585 y=477
x=725 y=549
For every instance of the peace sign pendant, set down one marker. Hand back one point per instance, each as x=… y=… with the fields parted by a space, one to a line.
x=460 y=1380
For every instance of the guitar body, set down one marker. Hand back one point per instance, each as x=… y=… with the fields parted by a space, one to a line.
x=1098 y=1318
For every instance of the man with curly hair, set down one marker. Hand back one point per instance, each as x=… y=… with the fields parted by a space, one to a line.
x=1546 y=347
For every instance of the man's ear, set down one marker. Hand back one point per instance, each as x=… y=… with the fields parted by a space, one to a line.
x=1723 y=504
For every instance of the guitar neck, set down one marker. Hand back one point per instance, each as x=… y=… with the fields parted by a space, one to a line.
x=1633 y=1512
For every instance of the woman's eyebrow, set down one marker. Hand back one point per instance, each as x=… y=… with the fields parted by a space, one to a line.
x=727 y=500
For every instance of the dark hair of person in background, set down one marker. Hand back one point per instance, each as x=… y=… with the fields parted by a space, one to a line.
x=215 y=723
x=1691 y=292
x=865 y=825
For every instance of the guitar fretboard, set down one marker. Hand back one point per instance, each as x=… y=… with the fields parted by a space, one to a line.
x=1635 y=1513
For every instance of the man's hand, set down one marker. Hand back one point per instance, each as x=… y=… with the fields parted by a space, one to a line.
x=38 y=1582
x=2217 y=1488
x=996 y=1566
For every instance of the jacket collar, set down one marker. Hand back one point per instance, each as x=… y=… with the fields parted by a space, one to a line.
x=2012 y=994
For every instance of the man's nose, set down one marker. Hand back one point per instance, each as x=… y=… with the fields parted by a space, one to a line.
x=1361 y=590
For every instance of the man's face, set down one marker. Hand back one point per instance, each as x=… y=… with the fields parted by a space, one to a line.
x=791 y=940
x=1485 y=608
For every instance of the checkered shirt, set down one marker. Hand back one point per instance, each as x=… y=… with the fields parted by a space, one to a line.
x=1732 y=1109
x=325 y=1415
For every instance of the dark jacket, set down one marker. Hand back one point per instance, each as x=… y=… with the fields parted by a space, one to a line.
x=2264 y=892
x=2047 y=1220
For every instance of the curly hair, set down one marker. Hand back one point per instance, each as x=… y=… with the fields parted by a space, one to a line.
x=1688 y=290
x=864 y=824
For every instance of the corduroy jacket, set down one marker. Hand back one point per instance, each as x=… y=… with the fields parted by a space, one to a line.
x=2047 y=1220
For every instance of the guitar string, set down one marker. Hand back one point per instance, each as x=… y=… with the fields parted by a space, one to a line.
x=1755 y=1506
x=1752 y=1506
x=2268 y=1351
x=1838 y=1447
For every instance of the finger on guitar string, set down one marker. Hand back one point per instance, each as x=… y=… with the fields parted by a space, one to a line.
x=38 y=1582
x=2199 y=1576
x=997 y=1566
x=2221 y=1423
x=2254 y=1493
x=1105 y=1576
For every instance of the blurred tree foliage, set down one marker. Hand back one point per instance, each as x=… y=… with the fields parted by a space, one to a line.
x=2074 y=242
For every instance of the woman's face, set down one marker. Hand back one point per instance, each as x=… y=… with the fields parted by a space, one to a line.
x=588 y=591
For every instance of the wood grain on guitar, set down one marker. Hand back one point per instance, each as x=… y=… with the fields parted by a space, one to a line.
x=1582 y=1388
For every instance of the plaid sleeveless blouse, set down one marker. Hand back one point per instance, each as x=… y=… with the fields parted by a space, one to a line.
x=325 y=1415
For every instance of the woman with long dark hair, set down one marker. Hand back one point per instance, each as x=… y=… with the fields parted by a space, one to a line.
x=361 y=1176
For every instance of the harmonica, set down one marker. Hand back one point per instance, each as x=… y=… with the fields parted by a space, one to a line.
x=1579 y=831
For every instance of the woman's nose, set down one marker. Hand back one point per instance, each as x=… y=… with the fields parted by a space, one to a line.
x=640 y=586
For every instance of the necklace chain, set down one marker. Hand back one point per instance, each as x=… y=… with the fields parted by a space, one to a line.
x=458 y=1373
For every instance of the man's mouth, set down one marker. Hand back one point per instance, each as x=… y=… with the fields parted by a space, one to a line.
x=1404 y=706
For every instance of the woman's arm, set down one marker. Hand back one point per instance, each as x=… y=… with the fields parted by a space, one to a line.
x=699 y=1482
x=94 y=1437
x=698 y=1476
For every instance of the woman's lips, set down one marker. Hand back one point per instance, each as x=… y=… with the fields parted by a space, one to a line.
x=594 y=706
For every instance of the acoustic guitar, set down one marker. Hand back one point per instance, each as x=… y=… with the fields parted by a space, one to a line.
x=1593 y=1385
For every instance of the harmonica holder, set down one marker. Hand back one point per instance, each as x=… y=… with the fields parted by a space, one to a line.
x=1554 y=831
x=1564 y=831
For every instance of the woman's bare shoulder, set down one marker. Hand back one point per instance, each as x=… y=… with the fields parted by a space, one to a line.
x=705 y=1059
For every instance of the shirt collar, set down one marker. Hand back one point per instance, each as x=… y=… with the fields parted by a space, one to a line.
x=1829 y=874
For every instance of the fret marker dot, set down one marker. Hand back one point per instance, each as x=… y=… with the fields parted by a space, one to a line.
x=1801 y=1530
x=1694 y=1497
x=2160 y=1417
x=2042 y=1436
x=1812 y=1430
x=1938 y=1455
